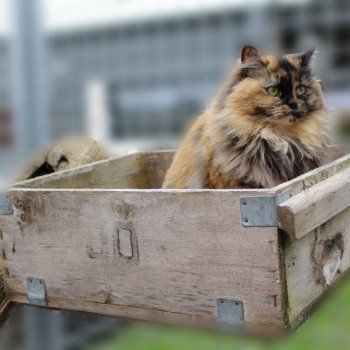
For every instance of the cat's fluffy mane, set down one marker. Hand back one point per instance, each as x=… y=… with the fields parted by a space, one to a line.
x=247 y=138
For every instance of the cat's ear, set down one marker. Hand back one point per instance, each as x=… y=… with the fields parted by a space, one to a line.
x=248 y=53
x=306 y=57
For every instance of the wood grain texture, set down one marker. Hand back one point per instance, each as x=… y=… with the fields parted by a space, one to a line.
x=3 y=297
x=188 y=248
x=164 y=255
x=315 y=262
x=140 y=170
x=147 y=170
x=7 y=226
x=309 y=209
x=162 y=316
x=310 y=179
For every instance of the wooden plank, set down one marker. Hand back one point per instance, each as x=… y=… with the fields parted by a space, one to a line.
x=147 y=170
x=3 y=297
x=308 y=210
x=315 y=262
x=188 y=248
x=155 y=165
x=4 y=302
x=333 y=164
x=139 y=170
x=122 y=311
x=159 y=255
x=123 y=171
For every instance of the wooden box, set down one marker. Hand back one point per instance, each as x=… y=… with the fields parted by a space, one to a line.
x=104 y=238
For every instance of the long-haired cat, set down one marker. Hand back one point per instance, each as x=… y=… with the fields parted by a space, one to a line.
x=266 y=126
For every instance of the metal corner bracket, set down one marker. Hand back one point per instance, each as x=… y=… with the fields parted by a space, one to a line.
x=5 y=203
x=230 y=313
x=36 y=291
x=261 y=211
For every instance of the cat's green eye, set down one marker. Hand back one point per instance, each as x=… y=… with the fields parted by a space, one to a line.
x=300 y=90
x=273 y=90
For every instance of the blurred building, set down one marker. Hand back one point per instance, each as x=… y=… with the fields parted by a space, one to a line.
x=158 y=73
x=136 y=80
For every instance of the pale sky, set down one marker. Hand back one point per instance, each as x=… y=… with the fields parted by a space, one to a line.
x=4 y=16
x=68 y=14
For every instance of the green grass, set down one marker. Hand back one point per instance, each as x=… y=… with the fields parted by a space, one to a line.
x=327 y=329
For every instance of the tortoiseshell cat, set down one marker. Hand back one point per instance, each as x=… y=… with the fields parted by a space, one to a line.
x=267 y=126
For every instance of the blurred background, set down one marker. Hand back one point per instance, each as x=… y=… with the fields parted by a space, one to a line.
x=132 y=74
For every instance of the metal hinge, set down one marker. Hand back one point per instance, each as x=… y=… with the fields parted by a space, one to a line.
x=36 y=291
x=230 y=313
x=261 y=211
x=5 y=203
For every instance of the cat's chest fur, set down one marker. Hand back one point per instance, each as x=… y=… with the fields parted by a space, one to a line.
x=263 y=161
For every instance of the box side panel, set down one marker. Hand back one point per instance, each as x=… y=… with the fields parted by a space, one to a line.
x=315 y=206
x=141 y=170
x=311 y=178
x=316 y=262
x=155 y=165
x=144 y=254
x=3 y=296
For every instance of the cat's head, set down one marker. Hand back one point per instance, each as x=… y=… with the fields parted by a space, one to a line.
x=278 y=90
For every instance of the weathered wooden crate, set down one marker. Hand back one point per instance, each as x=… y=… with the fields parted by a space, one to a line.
x=102 y=238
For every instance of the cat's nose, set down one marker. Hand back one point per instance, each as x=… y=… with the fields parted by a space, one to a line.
x=292 y=104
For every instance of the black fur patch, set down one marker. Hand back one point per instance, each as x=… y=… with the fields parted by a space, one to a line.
x=244 y=73
x=271 y=158
x=286 y=83
x=260 y=111
x=44 y=169
x=249 y=185
x=306 y=57
x=233 y=142
x=301 y=164
x=286 y=66
x=286 y=88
